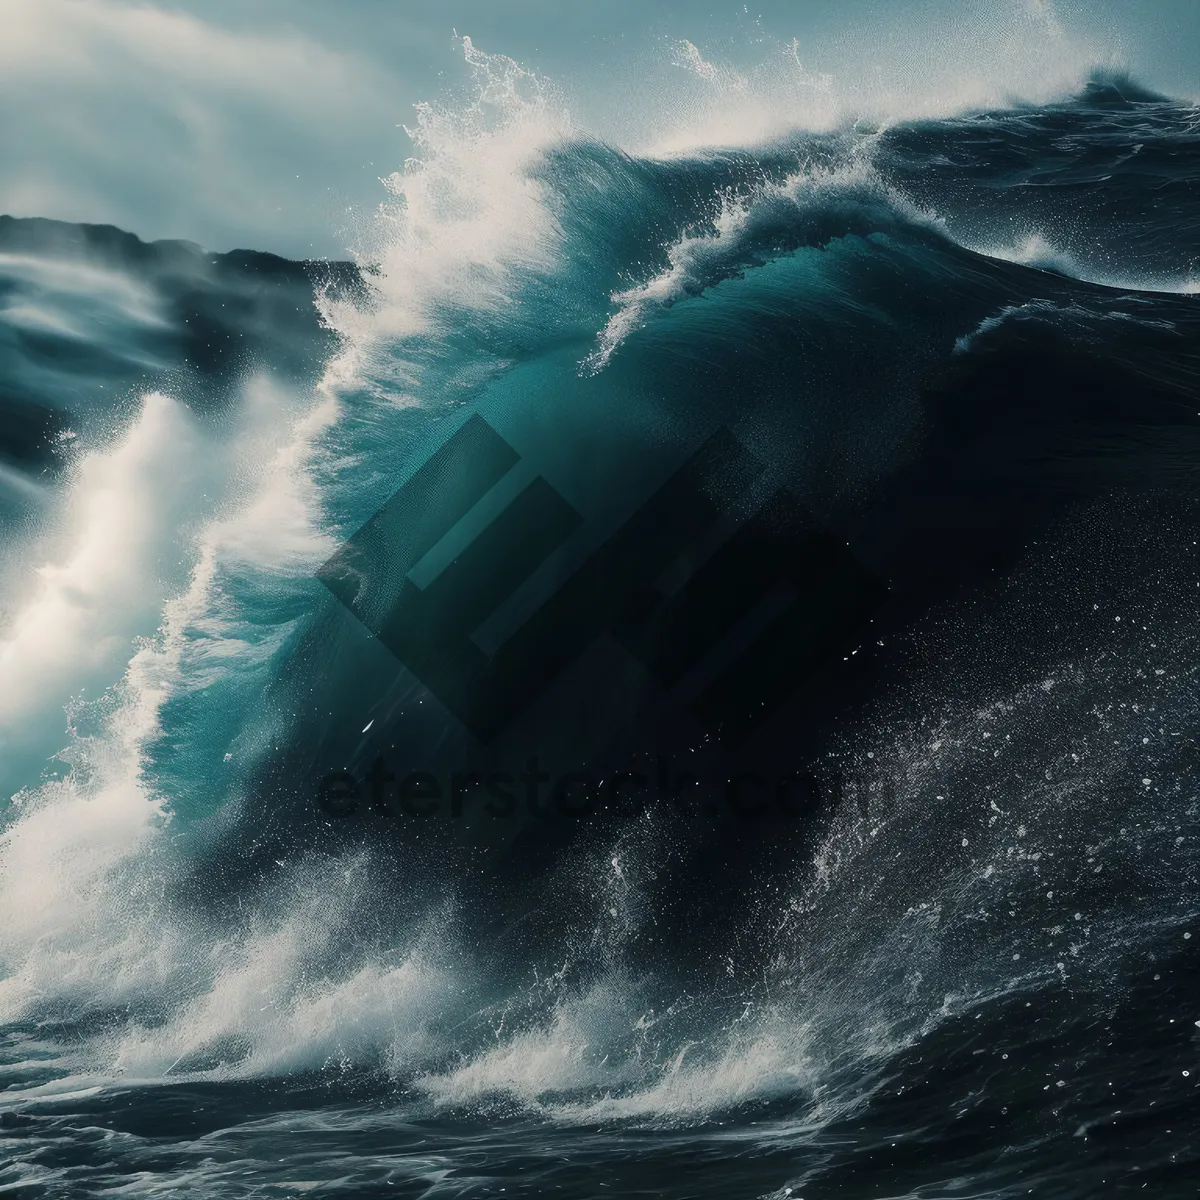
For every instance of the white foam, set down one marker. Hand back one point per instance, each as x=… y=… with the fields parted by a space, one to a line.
x=1081 y=321
x=699 y=258
x=1035 y=249
x=579 y=1044
x=263 y=1005
x=105 y=571
x=771 y=1063
x=881 y=69
x=466 y=213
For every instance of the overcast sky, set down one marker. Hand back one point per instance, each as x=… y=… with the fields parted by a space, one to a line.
x=268 y=123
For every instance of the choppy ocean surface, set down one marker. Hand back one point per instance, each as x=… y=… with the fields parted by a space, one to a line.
x=971 y=344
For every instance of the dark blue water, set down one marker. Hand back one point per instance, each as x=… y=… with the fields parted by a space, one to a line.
x=966 y=965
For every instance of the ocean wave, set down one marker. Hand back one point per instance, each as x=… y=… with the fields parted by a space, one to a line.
x=1003 y=431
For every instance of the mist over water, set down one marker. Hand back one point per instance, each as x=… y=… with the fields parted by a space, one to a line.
x=959 y=320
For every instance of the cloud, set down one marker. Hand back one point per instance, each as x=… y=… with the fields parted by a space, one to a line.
x=158 y=121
